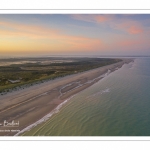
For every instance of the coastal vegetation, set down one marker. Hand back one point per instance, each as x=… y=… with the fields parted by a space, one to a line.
x=16 y=72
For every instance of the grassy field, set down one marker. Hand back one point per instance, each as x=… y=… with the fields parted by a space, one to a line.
x=17 y=72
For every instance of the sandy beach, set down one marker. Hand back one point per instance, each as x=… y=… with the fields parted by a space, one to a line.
x=31 y=104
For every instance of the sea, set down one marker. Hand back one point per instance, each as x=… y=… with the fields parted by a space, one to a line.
x=117 y=105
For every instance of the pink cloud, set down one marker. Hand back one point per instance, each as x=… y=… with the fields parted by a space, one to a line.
x=101 y=18
x=29 y=31
x=53 y=39
x=135 y=30
x=130 y=27
x=92 y=18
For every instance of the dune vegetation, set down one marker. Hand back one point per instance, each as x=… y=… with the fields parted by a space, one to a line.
x=35 y=70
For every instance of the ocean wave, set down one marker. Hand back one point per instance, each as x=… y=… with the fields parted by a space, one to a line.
x=107 y=90
x=45 y=118
x=131 y=65
x=57 y=109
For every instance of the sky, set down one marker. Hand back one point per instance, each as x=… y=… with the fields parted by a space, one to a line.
x=75 y=34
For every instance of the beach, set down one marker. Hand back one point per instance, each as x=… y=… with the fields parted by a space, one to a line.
x=30 y=105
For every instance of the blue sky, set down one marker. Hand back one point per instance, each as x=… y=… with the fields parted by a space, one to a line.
x=75 y=34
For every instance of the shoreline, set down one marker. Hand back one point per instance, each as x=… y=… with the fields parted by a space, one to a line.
x=57 y=109
x=23 y=85
x=53 y=93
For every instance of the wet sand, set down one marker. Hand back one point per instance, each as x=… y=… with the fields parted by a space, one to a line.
x=29 y=105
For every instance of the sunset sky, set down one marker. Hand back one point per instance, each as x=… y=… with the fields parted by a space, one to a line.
x=74 y=34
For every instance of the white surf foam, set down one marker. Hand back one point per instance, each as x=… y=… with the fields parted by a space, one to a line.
x=107 y=90
x=56 y=110
x=45 y=118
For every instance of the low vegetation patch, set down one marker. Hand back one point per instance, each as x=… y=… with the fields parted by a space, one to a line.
x=16 y=75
